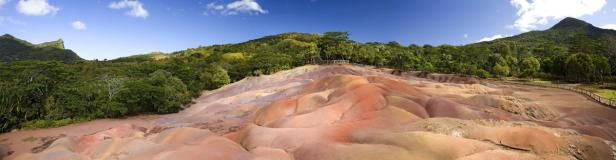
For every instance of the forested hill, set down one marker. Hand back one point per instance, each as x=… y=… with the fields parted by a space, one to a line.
x=569 y=35
x=14 y=49
x=52 y=93
x=570 y=40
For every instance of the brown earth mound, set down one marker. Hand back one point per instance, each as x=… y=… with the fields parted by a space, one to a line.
x=350 y=112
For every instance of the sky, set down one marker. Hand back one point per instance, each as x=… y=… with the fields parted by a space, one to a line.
x=107 y=29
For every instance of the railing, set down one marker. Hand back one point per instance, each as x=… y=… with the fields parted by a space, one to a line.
x=597 y=98
x=335 y=62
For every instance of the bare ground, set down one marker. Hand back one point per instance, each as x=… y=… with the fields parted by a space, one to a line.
x=346 y=112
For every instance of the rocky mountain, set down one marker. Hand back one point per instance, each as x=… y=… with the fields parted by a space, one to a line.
x=56 y=44
x=14 y=49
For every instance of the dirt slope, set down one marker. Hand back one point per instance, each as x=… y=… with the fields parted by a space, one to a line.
x=348 y=112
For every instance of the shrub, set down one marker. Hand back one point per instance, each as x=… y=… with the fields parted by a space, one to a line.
x=214 y=77
x=482 y=73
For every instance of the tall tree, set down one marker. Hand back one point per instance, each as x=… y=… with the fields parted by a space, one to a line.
x=579 y=67
x=500 y=70
x=602 y=67
x=530 y=67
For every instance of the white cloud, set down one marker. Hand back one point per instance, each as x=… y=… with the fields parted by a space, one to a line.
x=609 y=26
x=78 y=25
x=248 y=6
x=235 y=8
x=215 y=6
x=465 y=35
x=498 y=36
x=36 y=7
x=3 y=2
x=539 y=12
x=136 y=8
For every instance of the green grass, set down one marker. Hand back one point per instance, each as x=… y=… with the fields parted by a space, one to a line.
x=605 y=91
x=45 y=123
x=541 y=81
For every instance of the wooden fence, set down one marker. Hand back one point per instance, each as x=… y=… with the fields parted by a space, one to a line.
x=335 y=62
x=604 y=101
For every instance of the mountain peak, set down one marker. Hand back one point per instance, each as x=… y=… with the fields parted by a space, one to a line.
x=571 y=23
x=57 y=44
x=7 y=36
x=15 y=49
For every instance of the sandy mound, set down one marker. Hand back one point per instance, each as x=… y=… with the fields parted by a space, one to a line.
x=350 y=112
x=516 y=106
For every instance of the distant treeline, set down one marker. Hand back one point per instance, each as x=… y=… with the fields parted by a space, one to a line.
x=52 y=93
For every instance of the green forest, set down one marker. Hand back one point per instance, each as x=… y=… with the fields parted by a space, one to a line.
x=58 y=90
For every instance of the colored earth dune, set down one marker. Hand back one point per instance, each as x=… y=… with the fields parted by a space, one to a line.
x=347 y=112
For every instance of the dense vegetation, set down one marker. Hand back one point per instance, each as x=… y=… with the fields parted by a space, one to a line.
x=53 y=93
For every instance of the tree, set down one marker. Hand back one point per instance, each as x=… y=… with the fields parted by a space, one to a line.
x=339 y=36
x=12 y=106
x=214 y=77
x=512 y=62
x=188 y=70
x=403 y=60
x=555 y=65
x=302 y=52
x=602 y=67
x=530 y=67
x=579 y=67
x=76 y=100
x=311 y=54
x=233 y=57
x=500 y=70
x=112 y=85
x=336 y=45
x=161 y=92
x=502 y=48
x=268 y=63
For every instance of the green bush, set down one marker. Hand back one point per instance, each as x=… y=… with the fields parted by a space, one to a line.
x=214 y=77
x=530 y=67
x=482 y=73
x=500 y=70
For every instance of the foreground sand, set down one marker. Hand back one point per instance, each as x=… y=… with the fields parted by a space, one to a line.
x=346 y=112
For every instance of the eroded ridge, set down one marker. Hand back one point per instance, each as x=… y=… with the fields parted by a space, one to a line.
x=351 y=112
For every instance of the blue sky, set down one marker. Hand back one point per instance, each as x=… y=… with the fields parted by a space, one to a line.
x=114 y=28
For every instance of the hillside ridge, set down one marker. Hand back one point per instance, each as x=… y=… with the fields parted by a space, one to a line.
x=15 y=49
